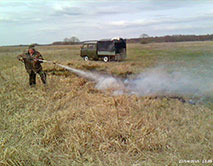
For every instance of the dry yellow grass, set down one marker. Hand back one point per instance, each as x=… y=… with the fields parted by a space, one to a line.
x=69 y=122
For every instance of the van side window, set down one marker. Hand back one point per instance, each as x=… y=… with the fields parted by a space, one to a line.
x=91 y=46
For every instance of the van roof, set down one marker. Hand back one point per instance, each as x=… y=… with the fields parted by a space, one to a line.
x=103 y=40
x=90 y=42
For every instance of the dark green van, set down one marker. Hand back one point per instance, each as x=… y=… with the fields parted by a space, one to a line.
x=106 y=50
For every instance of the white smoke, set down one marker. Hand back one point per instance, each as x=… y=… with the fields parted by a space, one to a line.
x=103 y=82
x=160 y=82
x=153 y=82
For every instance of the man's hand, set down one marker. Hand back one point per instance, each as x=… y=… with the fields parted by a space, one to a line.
x=35 y=60
x=38 y=60
x=21 y=59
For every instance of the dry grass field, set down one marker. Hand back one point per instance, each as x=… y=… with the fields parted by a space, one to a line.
x=70 y=122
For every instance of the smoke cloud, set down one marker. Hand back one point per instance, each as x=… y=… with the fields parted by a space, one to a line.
x=159 y=81
x=103 y=82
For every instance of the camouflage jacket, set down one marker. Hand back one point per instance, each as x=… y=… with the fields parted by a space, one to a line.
x=31 y=62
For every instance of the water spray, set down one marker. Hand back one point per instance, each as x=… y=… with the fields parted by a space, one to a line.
x=103 y=82
x=155 y=82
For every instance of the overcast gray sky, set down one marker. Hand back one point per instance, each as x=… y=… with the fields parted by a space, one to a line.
x=46 y=21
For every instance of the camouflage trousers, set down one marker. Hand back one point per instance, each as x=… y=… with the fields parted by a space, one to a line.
x=32 y=77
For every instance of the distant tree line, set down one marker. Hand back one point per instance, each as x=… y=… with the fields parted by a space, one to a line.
x=144 y=39
x=67 y=41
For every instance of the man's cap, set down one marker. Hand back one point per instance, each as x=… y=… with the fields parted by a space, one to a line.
x=31 y=46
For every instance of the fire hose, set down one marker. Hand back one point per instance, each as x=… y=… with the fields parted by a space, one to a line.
x=46 y=61
x=76 y=71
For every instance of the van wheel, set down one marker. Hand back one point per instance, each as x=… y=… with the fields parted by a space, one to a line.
x=86 y=58
x=105 y=59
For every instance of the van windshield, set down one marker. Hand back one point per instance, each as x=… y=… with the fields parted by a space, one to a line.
x=84 y=46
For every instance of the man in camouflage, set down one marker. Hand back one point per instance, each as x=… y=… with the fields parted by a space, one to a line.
x=32 y=60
